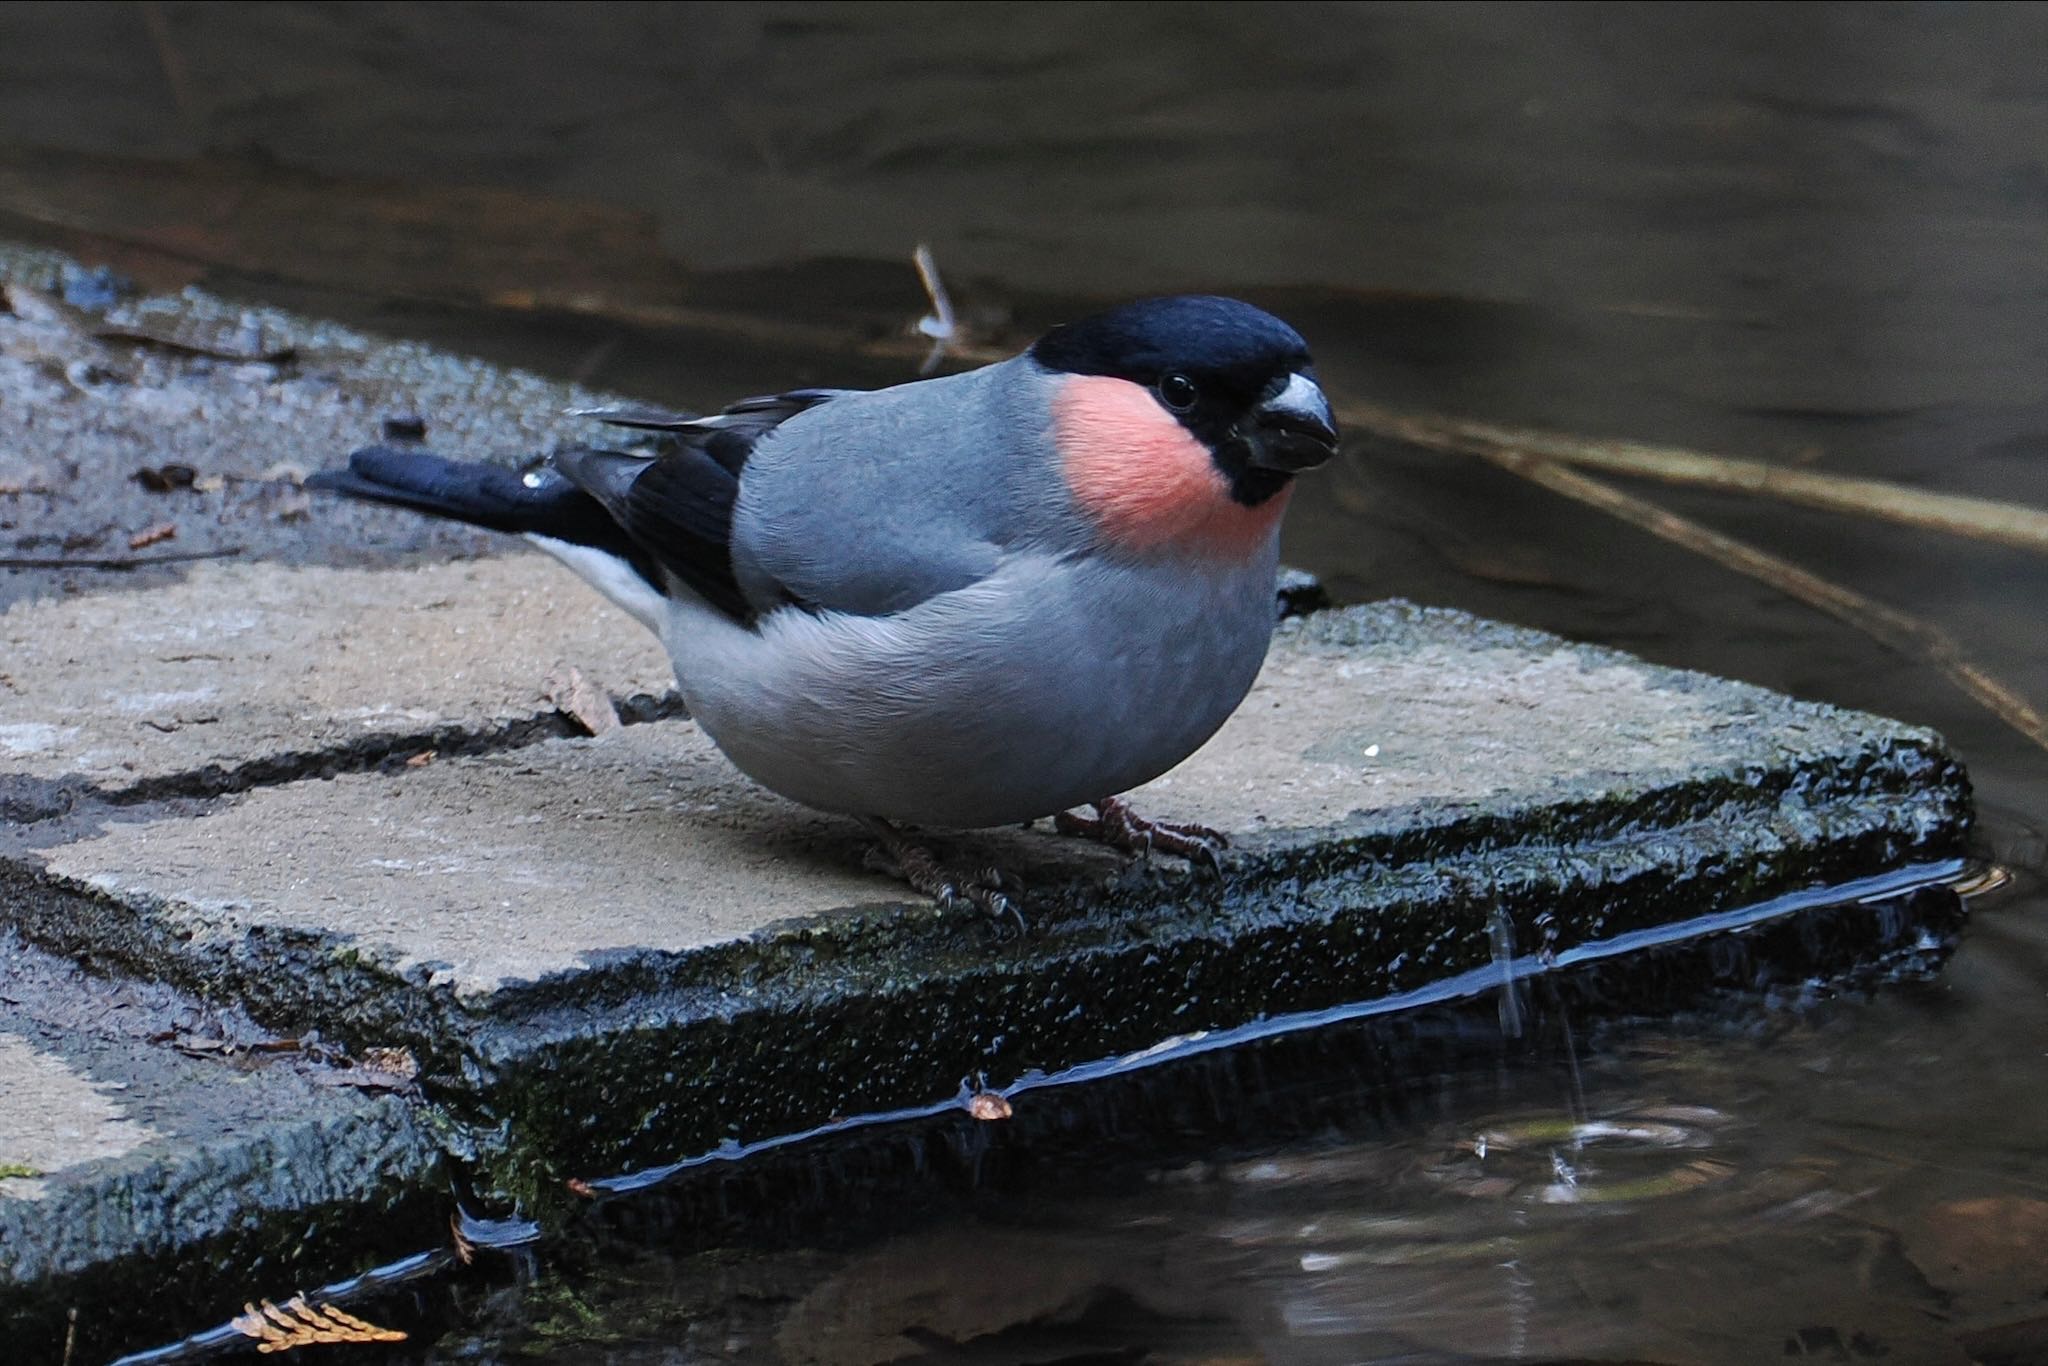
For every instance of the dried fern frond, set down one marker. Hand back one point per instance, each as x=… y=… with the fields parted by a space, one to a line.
x=299 y=1324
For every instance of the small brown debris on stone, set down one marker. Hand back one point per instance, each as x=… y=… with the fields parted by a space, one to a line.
x=381 y=1069
x=421 y=760
x=465 y=1250
x=988 y=1106
x=375 y=1069
x=579 y=1187
x=398 y=1060
x=582 y=701
x=166 y=478
x=162 y=531
x=20 y=479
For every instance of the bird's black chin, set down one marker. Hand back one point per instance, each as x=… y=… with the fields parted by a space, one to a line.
x=1252 y=484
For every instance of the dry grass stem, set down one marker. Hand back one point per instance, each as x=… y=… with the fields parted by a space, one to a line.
x=1982 y=519
x=1901 y=631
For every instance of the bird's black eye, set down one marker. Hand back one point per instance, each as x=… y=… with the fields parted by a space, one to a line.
x=1177 y=392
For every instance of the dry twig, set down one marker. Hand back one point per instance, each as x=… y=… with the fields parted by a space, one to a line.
x=176 y=78
x=114 y=563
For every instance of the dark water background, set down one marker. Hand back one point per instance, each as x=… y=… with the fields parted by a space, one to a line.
x=1813 y=235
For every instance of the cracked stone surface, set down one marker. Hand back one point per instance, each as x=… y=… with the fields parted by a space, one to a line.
x=242 y=663
x=503 y=868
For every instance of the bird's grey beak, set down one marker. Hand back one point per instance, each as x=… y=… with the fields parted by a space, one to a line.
x=1293 y=430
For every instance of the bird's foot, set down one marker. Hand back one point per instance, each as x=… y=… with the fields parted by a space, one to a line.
x=1118 y=826
x=985 y=888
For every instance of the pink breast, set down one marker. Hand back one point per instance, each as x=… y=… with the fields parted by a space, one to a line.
x=1145 y=480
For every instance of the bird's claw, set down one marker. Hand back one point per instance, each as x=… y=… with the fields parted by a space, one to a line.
x=1118 y=826
x=985 y=888
x=985 y=892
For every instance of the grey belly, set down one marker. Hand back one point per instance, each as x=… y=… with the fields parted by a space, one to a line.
x=1043 y=688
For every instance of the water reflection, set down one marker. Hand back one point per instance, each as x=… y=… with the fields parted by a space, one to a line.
x=1713 y=1208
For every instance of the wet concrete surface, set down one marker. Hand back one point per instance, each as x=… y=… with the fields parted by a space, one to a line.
x=139 y=1124
x=223 y=408
x=336 y=796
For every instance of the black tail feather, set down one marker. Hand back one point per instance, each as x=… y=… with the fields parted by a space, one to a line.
x=539 y=502
x=484 y=494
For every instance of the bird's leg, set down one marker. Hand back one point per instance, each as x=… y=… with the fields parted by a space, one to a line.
x=900 y=856
x=1118 y=826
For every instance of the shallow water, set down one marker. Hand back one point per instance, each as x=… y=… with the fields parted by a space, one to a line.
x=1817 y=236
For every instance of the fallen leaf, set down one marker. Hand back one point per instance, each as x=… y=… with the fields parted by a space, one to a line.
x=420 y=760
x=465 y=1250
x=583 y=702
x=162 y=531
x=165 y=478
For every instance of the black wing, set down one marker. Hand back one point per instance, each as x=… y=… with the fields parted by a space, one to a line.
x=675 y=502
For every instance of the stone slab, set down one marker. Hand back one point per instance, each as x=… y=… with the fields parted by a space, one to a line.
x=493 y=871
x=244 y=668
x=136 y=1123
x=612 y=951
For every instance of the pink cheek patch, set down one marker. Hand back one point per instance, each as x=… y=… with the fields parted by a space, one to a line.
x=1145 y=480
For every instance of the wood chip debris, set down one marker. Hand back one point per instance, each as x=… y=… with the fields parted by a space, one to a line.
x=582 y=701
x=988 y=1106
x=151 y=535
